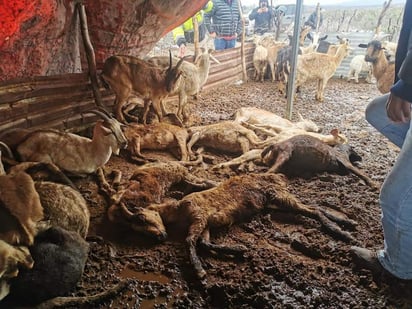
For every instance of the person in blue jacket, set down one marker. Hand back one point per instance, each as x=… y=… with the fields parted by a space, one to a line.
x=224 y=23
x=262 y=15
x=391 y=115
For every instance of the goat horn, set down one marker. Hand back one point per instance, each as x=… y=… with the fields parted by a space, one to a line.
x=101 y=114
x=214 y=59
x=170 y=59
x=178 y=64
x=8 y=150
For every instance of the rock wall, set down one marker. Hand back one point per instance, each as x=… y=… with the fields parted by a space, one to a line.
x=42 y=37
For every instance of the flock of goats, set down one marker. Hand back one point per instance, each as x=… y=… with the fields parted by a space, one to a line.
x=44 y=218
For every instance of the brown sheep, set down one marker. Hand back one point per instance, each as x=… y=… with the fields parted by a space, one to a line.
x=382 y=69
x=234 y=200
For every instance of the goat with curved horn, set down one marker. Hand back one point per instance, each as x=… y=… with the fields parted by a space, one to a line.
x=74 y=153
x=127 y=75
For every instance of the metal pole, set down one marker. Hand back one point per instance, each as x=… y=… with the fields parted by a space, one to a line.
x=293 y=63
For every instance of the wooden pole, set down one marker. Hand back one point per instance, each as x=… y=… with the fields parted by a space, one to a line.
x=196 y=36
x=242 y=44
x=91 y=60
x=294 y=60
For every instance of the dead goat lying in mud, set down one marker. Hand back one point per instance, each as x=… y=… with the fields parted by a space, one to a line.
x=234 y=200
x=305 y=155
x=156 y=136
x=254 y=115
x=332 y=139
x=224 y=136
x=150 y=183
x=29 y=206
x=279 y=133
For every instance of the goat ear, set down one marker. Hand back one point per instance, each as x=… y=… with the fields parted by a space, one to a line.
x=362 y=45
x=323 y=38
x=310 y=36
x=334 y=132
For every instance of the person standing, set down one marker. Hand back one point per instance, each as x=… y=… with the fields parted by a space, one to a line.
x=224 y=23
x=312 y=20
x=184 y=34
x=391 y=115
x=263 y=15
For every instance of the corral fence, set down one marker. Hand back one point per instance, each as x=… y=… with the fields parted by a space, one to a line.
x=61 y=101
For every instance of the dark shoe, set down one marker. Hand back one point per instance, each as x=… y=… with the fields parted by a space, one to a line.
x=366 y=259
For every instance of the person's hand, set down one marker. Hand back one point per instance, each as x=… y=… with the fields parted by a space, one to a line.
x=182 y=51
x=262 y=10
x=398 y=110
x=212 y=35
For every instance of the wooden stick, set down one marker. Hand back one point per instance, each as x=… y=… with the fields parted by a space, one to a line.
x=91 y=60
x=242 y=45
x=82 y=300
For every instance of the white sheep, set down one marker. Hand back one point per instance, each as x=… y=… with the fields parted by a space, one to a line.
x=260 y=62
x=194 y=76
x=359 y=65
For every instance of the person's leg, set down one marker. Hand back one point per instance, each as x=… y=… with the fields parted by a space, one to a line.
x=231 y=43
x=396 y=203
x=376 y=115
x=220 y=44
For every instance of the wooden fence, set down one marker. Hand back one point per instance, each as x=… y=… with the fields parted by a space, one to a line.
x=60 y=101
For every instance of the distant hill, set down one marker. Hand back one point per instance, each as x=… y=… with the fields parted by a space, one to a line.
x=365 y=3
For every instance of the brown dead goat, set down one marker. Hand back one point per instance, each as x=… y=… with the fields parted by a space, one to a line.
x=224 y=136
x=155 y=136
x=304 y=155
x=150 y=183
x=234 y=200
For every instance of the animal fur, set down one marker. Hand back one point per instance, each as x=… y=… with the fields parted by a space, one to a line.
x=156 y=136
x=234 y=200
x=59 y=259
x=304 y=155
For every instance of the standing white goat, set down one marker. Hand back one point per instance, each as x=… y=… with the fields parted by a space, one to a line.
x=194 y=76
x=357 y=66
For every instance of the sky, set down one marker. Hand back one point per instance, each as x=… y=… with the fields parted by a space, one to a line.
x=305 y=2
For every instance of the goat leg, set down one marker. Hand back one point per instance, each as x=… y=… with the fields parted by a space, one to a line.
x=104 y=185
x=146 y=106
x=195 y=230
x=361 y=175
x=136 y=154
x=204 y=242
x=288 y=201
x=195 y=137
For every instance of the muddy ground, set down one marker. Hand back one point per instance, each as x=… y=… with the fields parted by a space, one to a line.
x=291 y=261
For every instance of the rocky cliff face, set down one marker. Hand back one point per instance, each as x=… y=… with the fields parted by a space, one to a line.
x=43 y=37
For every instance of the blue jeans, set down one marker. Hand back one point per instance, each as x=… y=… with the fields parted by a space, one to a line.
x=396 y=193
x=224 y=44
